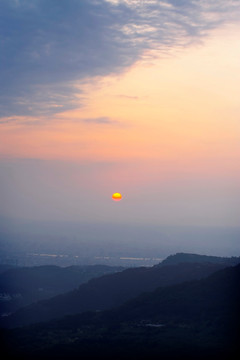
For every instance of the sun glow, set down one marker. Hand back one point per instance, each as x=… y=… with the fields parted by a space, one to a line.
x=117 y=197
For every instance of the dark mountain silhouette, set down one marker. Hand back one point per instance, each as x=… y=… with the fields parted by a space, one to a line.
x=196 y=258
x=5 y=267
x=110 y=291
x=201 y=300
x=194 y=320
x=21 y=286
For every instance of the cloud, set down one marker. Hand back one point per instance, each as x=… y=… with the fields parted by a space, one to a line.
x=39 y=121
x=101 y=121
x=24 y=121
x=47 y=47
x=129 y=97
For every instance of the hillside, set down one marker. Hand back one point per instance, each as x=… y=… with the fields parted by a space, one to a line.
x=21 y=286
x=196 y=258
x=194 y=320
x=109 y=291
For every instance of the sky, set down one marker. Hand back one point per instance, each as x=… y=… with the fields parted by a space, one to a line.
x=137 y=97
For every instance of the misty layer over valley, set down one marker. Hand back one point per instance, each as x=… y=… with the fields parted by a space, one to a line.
x=28 y=243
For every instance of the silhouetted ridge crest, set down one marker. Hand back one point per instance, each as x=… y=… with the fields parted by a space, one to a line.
x=196 y=258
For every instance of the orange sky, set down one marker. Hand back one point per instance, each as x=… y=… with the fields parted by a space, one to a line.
x=184 y=106
x=165 y=118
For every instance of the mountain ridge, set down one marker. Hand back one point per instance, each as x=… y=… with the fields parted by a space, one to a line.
x=110 y=291
x=197 y=319
x=197 y=258
x=22 y=286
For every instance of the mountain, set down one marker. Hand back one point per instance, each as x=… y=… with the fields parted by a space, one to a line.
x=109 y=291
x=5 y=267
x=194 y=320
x=196 y=258
x=199 y=300
x=21 y=286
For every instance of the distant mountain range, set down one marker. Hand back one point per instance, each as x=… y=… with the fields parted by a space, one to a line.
x=21 y=286
x=112 y=290
x=197 y=319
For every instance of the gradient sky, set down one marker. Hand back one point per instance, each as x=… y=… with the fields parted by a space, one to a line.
x=138 y=97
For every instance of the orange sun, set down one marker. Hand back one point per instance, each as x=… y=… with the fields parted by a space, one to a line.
x=116 y=197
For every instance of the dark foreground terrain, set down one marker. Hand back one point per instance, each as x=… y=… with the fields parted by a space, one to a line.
x=196 y=319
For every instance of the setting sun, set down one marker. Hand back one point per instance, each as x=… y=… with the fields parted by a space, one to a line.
x=117 y=197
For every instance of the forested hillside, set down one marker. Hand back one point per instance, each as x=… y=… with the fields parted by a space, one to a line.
x=21 y=286
x=109 y=291
x=194 y=320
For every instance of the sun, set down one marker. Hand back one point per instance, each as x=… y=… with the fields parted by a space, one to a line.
x=116 y=196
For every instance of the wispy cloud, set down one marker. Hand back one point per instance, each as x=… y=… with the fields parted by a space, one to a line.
x=100 y=120
x=43 y=120
x=48 y=46
x=23 y=121
x=129 y=97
